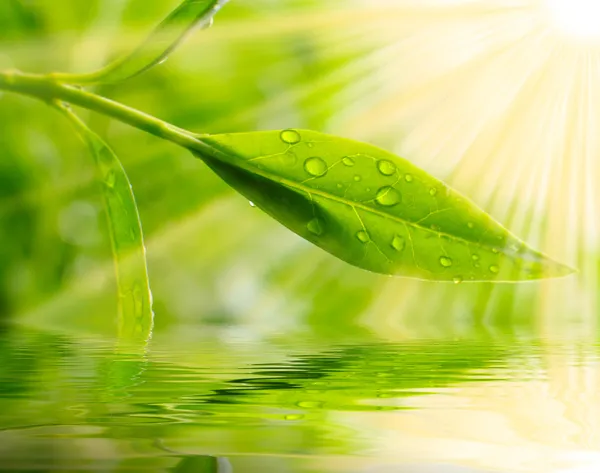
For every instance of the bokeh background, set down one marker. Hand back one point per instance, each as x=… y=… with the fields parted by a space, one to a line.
x=500 y=98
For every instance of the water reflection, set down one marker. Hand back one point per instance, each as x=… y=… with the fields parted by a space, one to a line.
x=439 y=406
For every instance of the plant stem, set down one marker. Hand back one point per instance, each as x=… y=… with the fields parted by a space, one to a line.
x=46 y=88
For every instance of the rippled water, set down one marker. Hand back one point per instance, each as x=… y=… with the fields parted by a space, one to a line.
x=297 y=406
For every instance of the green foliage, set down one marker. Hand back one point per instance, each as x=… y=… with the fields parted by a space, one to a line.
x=371 y=208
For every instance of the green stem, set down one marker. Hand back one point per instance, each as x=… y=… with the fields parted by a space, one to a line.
x=46 y=88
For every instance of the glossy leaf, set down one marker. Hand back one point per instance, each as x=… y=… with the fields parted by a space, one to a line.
x=191 y=14
x=371 y=208
x=125 y=230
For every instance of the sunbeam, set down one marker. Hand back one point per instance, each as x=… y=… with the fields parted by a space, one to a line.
x=576 y=18
x=498 y=98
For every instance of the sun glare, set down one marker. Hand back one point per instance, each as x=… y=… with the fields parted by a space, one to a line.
x=577 y=18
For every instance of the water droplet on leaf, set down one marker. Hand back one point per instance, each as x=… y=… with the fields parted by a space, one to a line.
x=309 y=404
x=433 y=191
x=357 y=178
x=315 y=226
x=290 y=137
x=399 y=243
x=315 y=167
x=348 y=161
x=445 y=261
x=470 y=225
x=110 y=180
x=408 y=178
x=294 y=417
x=387 y=168
x=363 y=236
x=388 y=196
x=457 y=279
x=494 y=269
x=252 y=204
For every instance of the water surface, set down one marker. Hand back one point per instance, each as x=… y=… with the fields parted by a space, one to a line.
x=294 y=405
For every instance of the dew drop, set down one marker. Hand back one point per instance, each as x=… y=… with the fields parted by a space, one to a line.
x=309 y=404
x=445 y=261
x=388 y=196
x=138 y=299
x=398 y=243
x=494 y=269
x=290 y=137
x=495 y=250
x=357 y=178
x=348 y=161
x=315 y=226
x=457 y=279
x=111 y=179
x=294 y=417
x=408 y=178
x=471 y=225
x=433 y=191
x=387 y=168
x=339 y=186
x=315 y=167
x=252 y=204
x=475 y=257
x=363 y=236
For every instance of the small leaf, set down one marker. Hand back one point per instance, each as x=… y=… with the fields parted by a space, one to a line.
x=371 y=208
x=125 y=229
x=190 y=14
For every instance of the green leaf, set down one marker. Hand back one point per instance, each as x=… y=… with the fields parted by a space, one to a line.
x=191 y=14
x=371 y=208
x=125 y=230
